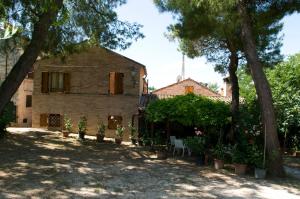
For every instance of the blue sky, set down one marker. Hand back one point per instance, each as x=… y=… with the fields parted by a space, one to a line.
x=161 y=57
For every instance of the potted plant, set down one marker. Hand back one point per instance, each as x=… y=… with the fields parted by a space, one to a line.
x=133 y=133
x=257 y=160
x=240 y=159
x=197 y=145
x=82 y=124
x=119 y=134
x=100 y=132
x=219 y=154
x=68 y=126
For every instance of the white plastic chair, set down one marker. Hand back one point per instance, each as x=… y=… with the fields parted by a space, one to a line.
x=179 y=146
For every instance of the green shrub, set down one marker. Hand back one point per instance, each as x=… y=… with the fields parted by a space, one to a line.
x=196 y=144
x=82 y=124
x=189 y=110
x=256 y=157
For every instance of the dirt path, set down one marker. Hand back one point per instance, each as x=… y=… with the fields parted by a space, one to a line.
x=39 y=164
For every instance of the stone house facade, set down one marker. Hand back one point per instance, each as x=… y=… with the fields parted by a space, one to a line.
x=96 y=83
x=22 y=99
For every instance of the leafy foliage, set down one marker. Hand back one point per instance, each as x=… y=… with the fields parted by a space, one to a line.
x=6 y=118
x=284 y=80
x=68 y=123
x=196 y=144
x=82 y=124
x=77 y=21
x=189 y=110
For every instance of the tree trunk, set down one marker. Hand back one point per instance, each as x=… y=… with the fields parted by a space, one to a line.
x=263 y=91
x=27 y=59
x=235 y=103
x=6 y=65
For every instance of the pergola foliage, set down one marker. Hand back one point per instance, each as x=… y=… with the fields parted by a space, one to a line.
x=189 y=110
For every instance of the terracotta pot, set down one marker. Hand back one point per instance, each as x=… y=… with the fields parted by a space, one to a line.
x=81 y=135
x=219 y=164
x=118 y=141
x=65 y=134
x=240 y=169
x=100 y=138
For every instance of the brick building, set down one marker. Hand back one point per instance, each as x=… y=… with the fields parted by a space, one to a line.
x=96 y=83
x=187 y=86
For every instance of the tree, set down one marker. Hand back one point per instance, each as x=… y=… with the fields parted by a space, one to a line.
x=204 y=31
x=213 y=86
x=249 y=20
x=276 y=9
x=284 y=80
x=54 y=27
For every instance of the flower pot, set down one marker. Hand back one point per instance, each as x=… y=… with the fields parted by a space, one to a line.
x=81 y=135
x=219 y=164
x=133 y=141
x=162 y=155
x=240 y=169
x=100 y=138
x=65 y=134
x=260 y=173
x=118 y=141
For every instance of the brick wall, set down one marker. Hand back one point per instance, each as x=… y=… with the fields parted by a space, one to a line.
x=89 y=84
x=179 y=89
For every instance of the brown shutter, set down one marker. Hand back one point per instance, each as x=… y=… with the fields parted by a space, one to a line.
x=112 y=83
x=67 y=85
x=119 y=83
x=43 y=120
x=45 y=82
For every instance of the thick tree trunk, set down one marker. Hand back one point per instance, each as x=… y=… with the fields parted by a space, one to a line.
x=6 y=65
x=25 y=62
x=263 y=91
x=235 y=103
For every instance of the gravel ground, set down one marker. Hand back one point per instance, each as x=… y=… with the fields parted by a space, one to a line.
x=40 y=164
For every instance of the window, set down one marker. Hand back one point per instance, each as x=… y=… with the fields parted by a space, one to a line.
x=54 y=120
x=189 y=89
x=113 y=121
x=28 y=101
x=116 y=83
x=55 y=82
x=25 y=120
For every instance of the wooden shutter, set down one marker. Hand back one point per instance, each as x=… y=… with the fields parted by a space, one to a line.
x=43 y=120
x=111 y=88
x=45 y=82
x=189 y=89
x=67 y=82
x=119 y=85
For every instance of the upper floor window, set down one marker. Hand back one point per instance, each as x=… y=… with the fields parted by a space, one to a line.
x=116 y=83
x=55 y=82
x=189 y=89
x=28 y=101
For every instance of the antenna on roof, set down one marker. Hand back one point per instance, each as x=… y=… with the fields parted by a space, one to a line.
x=183 y=67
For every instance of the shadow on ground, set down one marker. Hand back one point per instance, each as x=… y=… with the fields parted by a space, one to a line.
x=45 y=165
